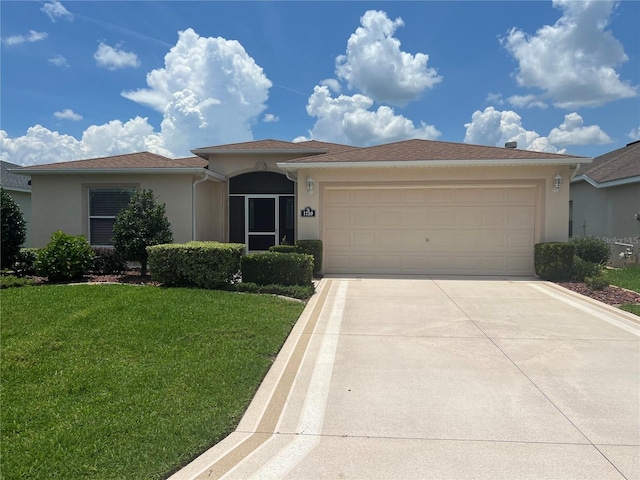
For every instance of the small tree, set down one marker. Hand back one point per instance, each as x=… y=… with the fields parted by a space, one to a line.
x=139 y=225
x=14 y=229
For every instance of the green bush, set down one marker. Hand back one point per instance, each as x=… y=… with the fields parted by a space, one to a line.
x=301 y=292
x=583 y=269
x=65 y=257
x=277 y=268
x=139 y=225
x=591 y=249
x=11 y=281
x=197 y=264
x=554 y=260
x=107 y=261
x=13 y=229
x=25 y=263
x=284 y=249
x=313 y=248
x=596 y=283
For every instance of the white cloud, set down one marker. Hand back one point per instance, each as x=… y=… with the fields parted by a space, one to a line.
x=634 y=134
x=210 y=91
x=33 y=36
x=56 y=10
x=41 y=145
x=347 y=119
x=68 y=114
x=375 y=65
x=494 y=98
x=333 y=84
x=114 y=59
x=574 y=60
x=572 y=132
x=270 y=118
x=494 y=127
x=59 y=61
x=526 y=101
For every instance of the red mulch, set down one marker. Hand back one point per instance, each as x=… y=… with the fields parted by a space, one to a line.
x=610 y=295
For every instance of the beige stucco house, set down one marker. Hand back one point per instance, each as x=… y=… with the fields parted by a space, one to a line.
x=410 y=207
x=605 y=200
x=19 y=188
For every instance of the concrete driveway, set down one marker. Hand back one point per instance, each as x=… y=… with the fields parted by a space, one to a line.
x=445 y=378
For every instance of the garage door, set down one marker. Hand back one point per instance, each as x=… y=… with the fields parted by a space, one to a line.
x=430 y=230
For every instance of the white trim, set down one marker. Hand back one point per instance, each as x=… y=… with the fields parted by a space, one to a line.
x=102 y=171
x=293 y=166
x=612 y=183
x=16 y=189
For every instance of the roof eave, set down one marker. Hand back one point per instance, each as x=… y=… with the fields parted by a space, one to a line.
x=610 y=183
x=16 y=189
x=293 y=165
x=119 y=171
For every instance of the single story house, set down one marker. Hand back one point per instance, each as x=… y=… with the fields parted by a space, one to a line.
x=409 y=207
x=19 y=188
x=605 y=200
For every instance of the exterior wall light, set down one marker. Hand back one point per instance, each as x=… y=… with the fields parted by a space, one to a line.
x=310 y=185
x=557 y=183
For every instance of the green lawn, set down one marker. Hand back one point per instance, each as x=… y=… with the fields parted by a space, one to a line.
x=118 y=381
x=629 y=278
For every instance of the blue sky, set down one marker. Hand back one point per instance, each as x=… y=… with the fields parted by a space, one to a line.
x=87 y=79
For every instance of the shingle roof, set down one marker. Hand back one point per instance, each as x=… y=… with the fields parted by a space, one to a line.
x=129 y=160
x=617 y=165
x=12 y=180
x=424 y=150
x=270 y=144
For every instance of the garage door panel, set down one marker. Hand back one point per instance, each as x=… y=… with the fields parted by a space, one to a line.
x=430 y=230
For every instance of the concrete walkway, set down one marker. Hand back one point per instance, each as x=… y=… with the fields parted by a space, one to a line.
x=444 y=378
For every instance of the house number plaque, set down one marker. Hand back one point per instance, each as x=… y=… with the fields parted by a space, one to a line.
x=307 y=212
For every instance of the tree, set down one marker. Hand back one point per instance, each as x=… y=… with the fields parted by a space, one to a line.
x=14 y=229
x=142 y=223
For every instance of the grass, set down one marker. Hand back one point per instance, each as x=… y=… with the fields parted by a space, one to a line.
x=629 y=278
x=119 y=381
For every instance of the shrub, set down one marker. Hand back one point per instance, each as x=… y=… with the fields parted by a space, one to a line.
x=107 y=261
x=314 y=248
x=139 y=225
x=591 y=249
x=596 y=283
x=13 y=229
x=197 y=264
x=64 y=258
x=11 y=281
x=583 y=269
x=25 y=263
x=284 y=249
x=554 y=260
x=277 y=268
x=301 y=292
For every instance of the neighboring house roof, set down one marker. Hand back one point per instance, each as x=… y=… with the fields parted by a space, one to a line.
x=431 y=153
x=12 y=181
x=619 y=167
x=142 y=162
x=310 y=147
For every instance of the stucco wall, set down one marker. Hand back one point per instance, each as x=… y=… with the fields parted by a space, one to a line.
x=553 y=207
x=60 y=202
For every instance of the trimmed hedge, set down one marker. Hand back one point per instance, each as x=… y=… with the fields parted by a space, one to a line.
x=313 y=248
x=277 y=268
x=301 y=292
x=284 y=249
x=554 y=260
x=195 y=264
x=107 y=261
x=591 y=249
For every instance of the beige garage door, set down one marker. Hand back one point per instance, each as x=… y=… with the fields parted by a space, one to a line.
x=430 y=230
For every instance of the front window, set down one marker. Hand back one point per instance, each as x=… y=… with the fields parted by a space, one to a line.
x=104 y=206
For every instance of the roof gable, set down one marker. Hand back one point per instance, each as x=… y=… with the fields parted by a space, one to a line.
x=12 y=181
x=613 y=166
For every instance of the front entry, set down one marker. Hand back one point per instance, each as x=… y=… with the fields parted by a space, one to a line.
x=261 y=210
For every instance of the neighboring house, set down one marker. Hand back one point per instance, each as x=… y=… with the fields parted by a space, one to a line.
x=415 y=206
x=605 y=199
x=19 y=188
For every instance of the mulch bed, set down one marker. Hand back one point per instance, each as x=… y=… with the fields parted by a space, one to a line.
x=611 y=295
x=131 y=277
